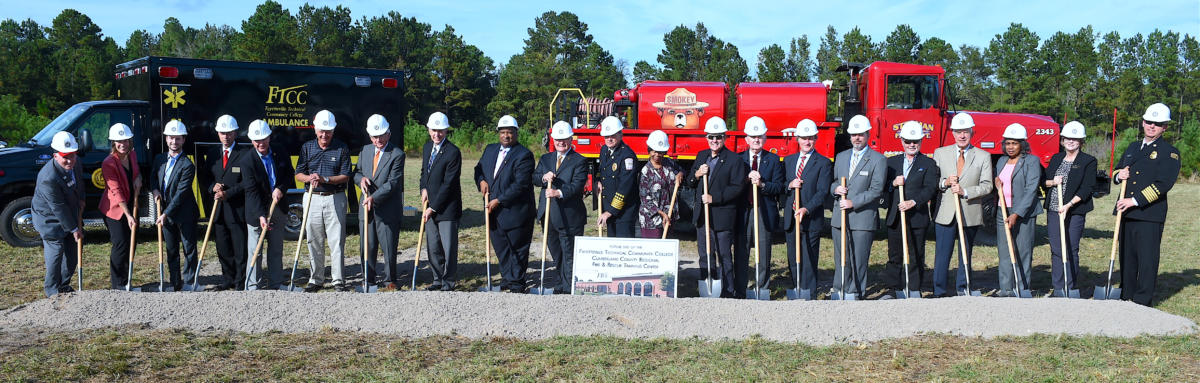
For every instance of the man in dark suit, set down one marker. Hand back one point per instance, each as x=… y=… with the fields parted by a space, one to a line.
x=809 y=171
x=864 y=170
x=766 y=173
x=229 y=226
x=172 y=187
x=57 y=208
x=505 y=174
x=726 y=200
x=265 y=173
x=379 y=175
x=919 y=175
x=1151 y=168
x=440 y=171
x=618 y=175
x=562 y=175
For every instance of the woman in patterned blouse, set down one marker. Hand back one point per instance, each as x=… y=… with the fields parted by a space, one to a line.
x=1074 y=171
x=657 y=181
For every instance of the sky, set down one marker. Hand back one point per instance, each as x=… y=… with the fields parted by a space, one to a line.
x=633 y=30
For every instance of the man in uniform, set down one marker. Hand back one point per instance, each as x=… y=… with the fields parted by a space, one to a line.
x=864 y=170
x=618 y=182
x=505 y=174
x=918 y=174
x=229 y=225
x=726 y=199
x=380 y=169
x=562 y=175
x=172 y=187
x=57 y=208
x=806 y=167
x=766 y=173
x=1151 y=167
x=440 y=171
x=965 y=174
x=265 y=171
x=324 y=165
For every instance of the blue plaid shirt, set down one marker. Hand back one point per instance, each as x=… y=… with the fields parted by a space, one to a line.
x=333 y=161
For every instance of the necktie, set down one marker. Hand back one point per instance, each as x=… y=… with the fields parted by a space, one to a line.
x=559 y=163
x=800 y=167
x=854 y=157
x=962 y=161
x=754 y=162
x=270 y=165
x=224 y=158
x=499 y=161
x=167 y=173
x=432 y=155
x=375 y=163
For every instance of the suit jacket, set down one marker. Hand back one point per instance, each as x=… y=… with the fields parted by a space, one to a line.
x=1152 y=173
x=1081 y=181
x=512 y=185
x=257 y=185
x=117 y=185
x=385 y=183
x=818 y=172
x=727 y=185
x=570 y=178
x=57 y=200
x=179 y=203
x=771 y=171
x=1026 y=178
x=864 y=186
x=441 y=180
x=230 y=176
x=976 y=180
x=618 y=173
x=920 y=186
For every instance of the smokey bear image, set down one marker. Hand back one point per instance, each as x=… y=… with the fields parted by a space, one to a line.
x=680 y=110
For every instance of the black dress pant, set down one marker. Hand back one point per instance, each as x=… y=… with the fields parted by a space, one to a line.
x=561 y=244
x=893 y=272
x=512 y=252
x=118 y=256
x=230 y=235
x=174 y=233
x=1140 y=241
x=810 y=246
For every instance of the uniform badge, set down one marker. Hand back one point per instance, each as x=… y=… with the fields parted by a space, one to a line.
x=237 y=169
x=629 y=164
x=1175 y=156
x=614 y=166
x=1154 y=155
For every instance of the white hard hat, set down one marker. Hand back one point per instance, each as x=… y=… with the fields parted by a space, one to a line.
x=858 y=124
x=1016 y=131
x=961 y=121
x=64 y=142
x=912 y=130
x=377 y=125
x=1074 y=129
x=610 y=125
x=324 y=120
x=174 y=128
x=119 y=132
x=226 y=123
x=1158 y=112
x=806 y=128
x=715 y=125
x=561 y=130
x=507 y=121
x=259 y=130
x=658 y=141
x=438 y=121
x=755 y=126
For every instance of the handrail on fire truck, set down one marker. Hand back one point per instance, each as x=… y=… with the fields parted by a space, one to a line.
x=583 y=99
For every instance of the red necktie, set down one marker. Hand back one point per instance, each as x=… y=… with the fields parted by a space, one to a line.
x=754 y=163
x=224 y=158
x=800 y=169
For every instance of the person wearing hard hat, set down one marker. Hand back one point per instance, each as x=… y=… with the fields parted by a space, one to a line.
x=918 y=174
x=766 y=173
x=324 y=165
x=864 y=170
x=806 y=167
x=379 y=174
x=265 y=182
x=223 y=164
x=1151 y=167
x=656 y=182
x=1018 y=177
x=618 y=181
x=726 y=199
x=1073 y=171
x=504 y=174
x=173 y=173
x=441 y=168
x=57 y=213
x=966 y=173
x=562 y=175
x=123 y=182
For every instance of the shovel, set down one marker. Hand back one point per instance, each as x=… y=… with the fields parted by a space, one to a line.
x=79 y=257
x=757 y=293
x=836 y=294
x=258 y=247
x=962 y=248
x=671 y=209
x=417 y=256
x=904 y=238
x=1067 y=291
x=708 y=288
x=367 y=285
x=132 y=246
x=162 y=287
x=1108 y=291
x=487 y=246
x=195 y=286
x=291 y=286
x=541 y=289
x=1018 y=287
x=798 y=293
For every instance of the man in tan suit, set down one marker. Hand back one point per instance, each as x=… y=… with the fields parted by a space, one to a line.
x=966 y=173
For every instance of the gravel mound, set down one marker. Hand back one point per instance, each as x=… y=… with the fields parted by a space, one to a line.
x=481 y=315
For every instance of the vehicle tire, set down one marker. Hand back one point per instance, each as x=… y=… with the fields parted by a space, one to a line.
x=294 y=210
x=16 y=224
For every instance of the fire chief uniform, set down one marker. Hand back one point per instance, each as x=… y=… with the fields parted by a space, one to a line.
x=618 y=178
x=508 y=172
x=567 y=212
x=768 y=166
x=1153 y=168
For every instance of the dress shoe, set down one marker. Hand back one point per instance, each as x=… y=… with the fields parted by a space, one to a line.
x=341 y=287
x=437 y=287
x=886 y=296
x=447 y=288
x=391 y=286
x=312 y=288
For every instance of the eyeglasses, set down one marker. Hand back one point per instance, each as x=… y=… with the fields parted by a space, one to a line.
x=1158 y=124
x=911 y=142
x=716 y=137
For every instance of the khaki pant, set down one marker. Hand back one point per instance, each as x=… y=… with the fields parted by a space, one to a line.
x=326 y=223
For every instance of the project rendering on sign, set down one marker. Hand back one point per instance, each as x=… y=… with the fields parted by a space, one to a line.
x=625 y=266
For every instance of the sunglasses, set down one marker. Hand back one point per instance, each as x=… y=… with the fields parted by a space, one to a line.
x=1158 y=124
x=911 y=142
x=716 y=137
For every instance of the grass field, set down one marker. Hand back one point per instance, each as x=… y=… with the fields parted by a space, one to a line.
x=145 y=355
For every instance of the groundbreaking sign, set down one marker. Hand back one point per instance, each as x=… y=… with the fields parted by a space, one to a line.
x=625 y=266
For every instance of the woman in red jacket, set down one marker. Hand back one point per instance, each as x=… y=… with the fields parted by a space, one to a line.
x=122 y=181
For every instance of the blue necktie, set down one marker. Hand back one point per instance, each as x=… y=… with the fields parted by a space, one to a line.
x=270 y=164
x=167 y=174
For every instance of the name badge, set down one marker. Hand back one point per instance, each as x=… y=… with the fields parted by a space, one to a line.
x=863 y=173
x=237 y=169
x=332 y=159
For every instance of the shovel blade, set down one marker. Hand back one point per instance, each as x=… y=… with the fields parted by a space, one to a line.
x=911 y=294
x=366 y=289
x=188 y=288
x=493 y=289
x=1025 y=294
x=971 y=293
x=842 y=296
x=758 y=294
x=293 y=289
x=801 y=294
x=133 y=289
x=1073 y=293
x=164 y=289
x=1102 y=293
x=709 y=288
x=542 y=291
